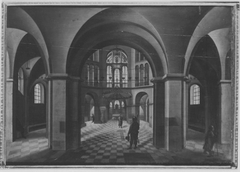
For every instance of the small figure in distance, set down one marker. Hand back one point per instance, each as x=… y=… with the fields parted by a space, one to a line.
x=120 y=121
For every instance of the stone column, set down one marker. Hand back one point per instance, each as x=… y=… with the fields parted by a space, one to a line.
x=58 y=111
x=73 y=115
x=174 y=112
x=49 y=113
x=9 y=111
x=130 y=109
x=132 y=68
x=97 y=114
x=185 y=109
x=159 y=128
x=226 y=111
x=26 y=115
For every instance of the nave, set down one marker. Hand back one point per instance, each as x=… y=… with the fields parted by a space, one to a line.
x=105 y=144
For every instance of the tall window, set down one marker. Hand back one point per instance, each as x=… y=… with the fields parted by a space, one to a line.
x=96 y=56
x=21 y=81
x=110 y=104
x=124 y=76
x=117 y=78
x=96 y=75
x=88 y=74
x=117 y=73
x=136 y=75
x=91 y=75
x=141 y=74
x=137 y=54
x=146 y=74
x=116 y=104
x=195 y=95
x=123 y=104
x=38 y=94
x=109 y=76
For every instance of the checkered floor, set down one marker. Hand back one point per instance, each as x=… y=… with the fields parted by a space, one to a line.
x=35 y=142
x=104 y=144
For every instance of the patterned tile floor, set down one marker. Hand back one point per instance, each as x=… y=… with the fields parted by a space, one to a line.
x=104 y=144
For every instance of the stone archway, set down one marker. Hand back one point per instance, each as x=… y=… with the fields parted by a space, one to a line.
x=117 y=32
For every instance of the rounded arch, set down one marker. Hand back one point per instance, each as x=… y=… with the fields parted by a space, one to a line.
x=13 y=38
x=206 y=52
x=217 y=18
x=19 y=19
x=94 y=96
x=205 y=70
x=97 y=33
x=27 y=53
x=89 y=107
x=138 y=106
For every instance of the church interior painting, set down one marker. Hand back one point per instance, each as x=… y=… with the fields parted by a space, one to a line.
x=71 y=71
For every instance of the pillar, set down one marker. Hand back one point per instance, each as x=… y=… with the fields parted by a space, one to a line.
x=27 y=99
x=64 y=112
x=58 y=111
x=9 y=111
x=97 y=113
x=159 y=135
x=174 y=112
x=131 y=66
x=49 y=113
x=73 y=116
x=130 y=109
x=185 y=109
x=225 y=127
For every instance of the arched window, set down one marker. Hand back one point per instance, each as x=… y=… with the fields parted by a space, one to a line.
x=116 y=104
x=124 y=76
x=123 y=105
x=141 y=74
x=136 y=75
x=110 y=104
x=117 y=62
x=91 y=75
x=38 y=94
x=21 y=81
x=146 y=74
x=88 y=74
x=137 y=56
x=109 y=76
x=96 y=56
x=117 y=78
x=96 y=74
x=195 y=95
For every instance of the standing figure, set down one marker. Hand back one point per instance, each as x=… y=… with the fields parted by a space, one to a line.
x=133 y=132
x=209 y=141
x=120 y=121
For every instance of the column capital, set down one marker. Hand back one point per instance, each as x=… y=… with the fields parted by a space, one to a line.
x=157 y=79
x=171 y=76
x=62 y=76
x=9 y=80
x=224 y=82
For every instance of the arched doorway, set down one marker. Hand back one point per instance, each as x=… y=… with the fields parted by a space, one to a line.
x=118 y=33
x=28 y=67
x=204 y=76
x=89 y=108
x=141 y=106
